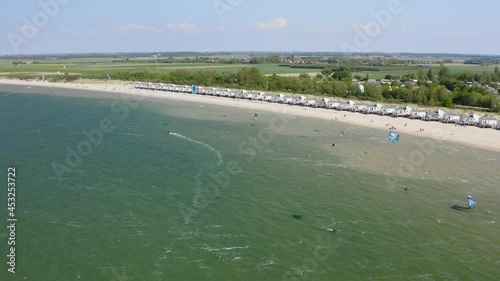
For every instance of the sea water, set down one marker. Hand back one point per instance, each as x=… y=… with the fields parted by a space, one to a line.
x=122 y=189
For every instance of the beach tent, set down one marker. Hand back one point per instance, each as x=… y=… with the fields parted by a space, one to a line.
x=393 y=136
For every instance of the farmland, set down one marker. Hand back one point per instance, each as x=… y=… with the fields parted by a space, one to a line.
x=76 y=67
x=101 y=67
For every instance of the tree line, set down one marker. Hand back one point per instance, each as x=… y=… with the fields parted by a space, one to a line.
x=437 y=87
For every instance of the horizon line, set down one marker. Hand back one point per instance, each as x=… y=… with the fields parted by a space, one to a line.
x=250 y=52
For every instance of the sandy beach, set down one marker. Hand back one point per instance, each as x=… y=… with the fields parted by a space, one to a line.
x=471 y=136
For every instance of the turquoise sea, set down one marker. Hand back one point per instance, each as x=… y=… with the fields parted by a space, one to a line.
x=105 y=192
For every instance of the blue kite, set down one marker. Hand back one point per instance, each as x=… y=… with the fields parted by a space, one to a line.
x=472 y=202
x=393 y=136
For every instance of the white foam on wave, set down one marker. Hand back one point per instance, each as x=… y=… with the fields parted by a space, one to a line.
x=132 y=134
x=200 y=143
x=159 y=262
x=224 y=248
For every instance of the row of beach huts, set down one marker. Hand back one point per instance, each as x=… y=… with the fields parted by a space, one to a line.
x=472 y=119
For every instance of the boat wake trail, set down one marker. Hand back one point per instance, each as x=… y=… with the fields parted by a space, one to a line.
x=200 y=143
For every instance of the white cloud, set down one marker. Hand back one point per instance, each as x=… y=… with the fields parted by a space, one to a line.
x=135 y=27
x=401 y=29
x=277 y=23
x=127 y=28
x=367 y=28
x=221 y=27
x=28 y=29
x=184 y=27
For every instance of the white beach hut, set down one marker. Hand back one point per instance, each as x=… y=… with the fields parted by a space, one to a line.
x=346 y=105
x=471 y=119
x=299 y=100
x=451 y=118
x=387 y=110
x=258 y=96
x=435 y=115
x=488 y=122
x=279 y=98
x=324 y=102
x=374 y=109
x=403 y=112
x=138 y=85
x=418 y=114
x=311 y=102
x=359 y=107
x=268 y=98
x=152 y=86
x=333 y=104
x=288 y=100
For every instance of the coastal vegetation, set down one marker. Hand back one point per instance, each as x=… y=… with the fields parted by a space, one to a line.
x=427 y=81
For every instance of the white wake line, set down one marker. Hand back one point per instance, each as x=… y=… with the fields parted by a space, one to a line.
x=200 y=143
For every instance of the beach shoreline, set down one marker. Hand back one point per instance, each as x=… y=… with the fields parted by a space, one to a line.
x=483 y=138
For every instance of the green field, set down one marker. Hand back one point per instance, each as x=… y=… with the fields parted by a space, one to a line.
x=460 y=68
x=110 y=67
x=103 y=66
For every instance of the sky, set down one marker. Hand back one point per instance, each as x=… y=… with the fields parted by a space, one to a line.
x=392 y=26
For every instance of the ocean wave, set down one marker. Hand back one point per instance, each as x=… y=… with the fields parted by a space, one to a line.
x=224 y=248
